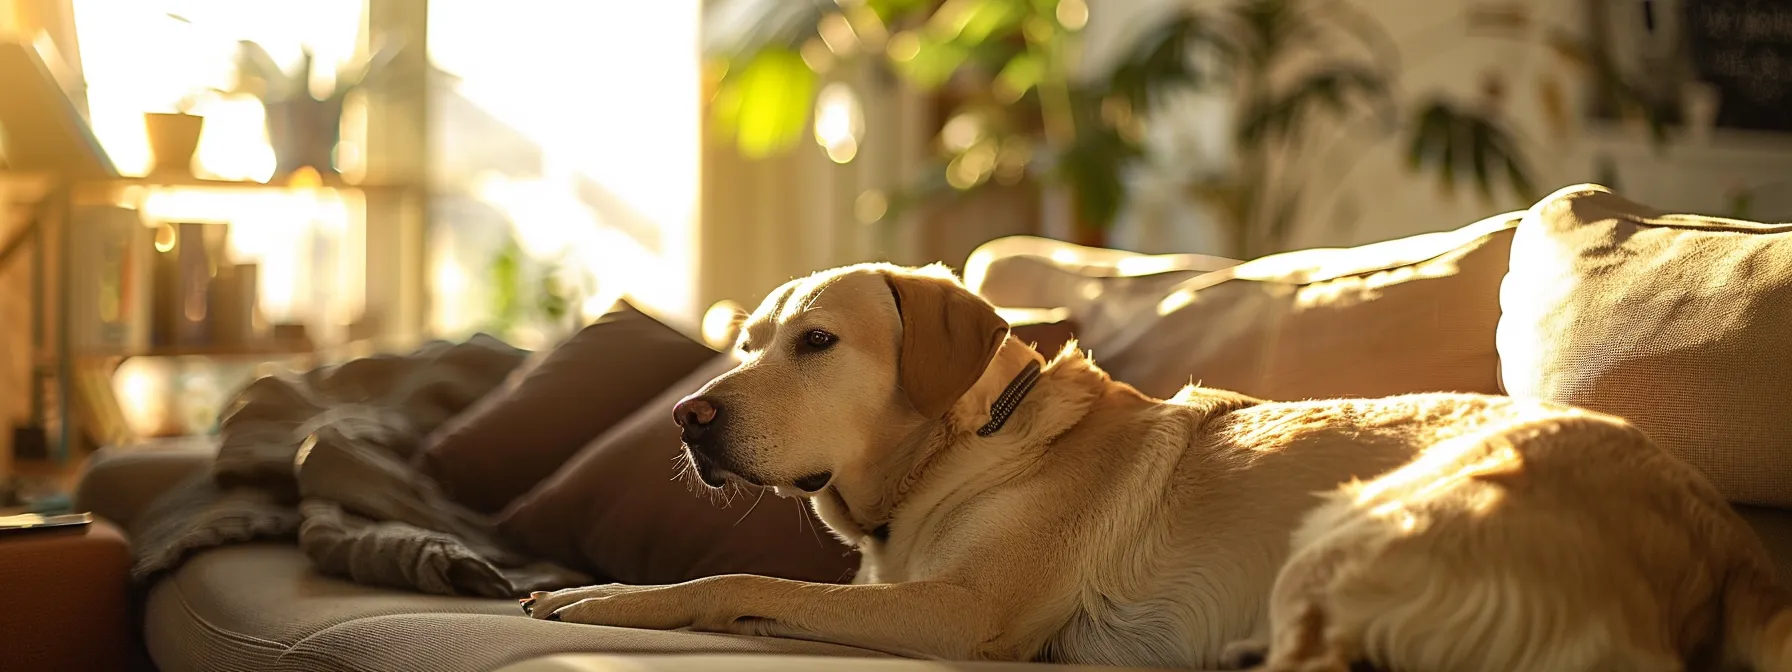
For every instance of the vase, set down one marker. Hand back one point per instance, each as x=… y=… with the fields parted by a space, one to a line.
x=173 y=138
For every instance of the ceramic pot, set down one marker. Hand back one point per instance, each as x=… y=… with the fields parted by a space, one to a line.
x=173 y=138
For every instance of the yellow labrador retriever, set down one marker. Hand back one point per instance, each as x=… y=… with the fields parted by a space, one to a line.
x=1013 y=508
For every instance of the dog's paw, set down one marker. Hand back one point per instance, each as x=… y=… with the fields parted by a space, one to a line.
x=546 y=605
x=1244 y=654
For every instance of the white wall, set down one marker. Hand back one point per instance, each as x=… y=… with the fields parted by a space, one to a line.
x=1367 y=193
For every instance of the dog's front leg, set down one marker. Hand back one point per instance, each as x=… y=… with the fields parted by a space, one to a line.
x=923 y=619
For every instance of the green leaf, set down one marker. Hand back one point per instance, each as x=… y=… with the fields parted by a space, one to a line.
x=887 y=10
x=933 y=63
x=971 y=22
x=1022 y=73
x=764 y=104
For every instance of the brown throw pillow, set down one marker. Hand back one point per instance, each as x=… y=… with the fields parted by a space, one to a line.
x=1046 y=330
x=1410 y=315
x=1678 y=323
x=622 y=511
x=555 y=404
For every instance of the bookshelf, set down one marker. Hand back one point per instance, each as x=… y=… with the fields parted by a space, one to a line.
x=104 y=276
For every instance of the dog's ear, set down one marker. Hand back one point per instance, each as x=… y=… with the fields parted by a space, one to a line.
x=949 y=336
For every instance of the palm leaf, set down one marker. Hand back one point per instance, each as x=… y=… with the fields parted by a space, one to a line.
x=1163 y=59
x=1329 y=89
x=1448 y=140
x=1480 y=144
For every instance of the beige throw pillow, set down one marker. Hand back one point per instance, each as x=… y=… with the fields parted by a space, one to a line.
x=1681 y=324
x=1410 y=315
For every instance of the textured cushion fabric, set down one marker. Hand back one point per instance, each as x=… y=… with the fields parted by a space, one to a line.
x=620 y=511
x=1677 y=323
x=555 y=404
x=64 y=601
x=781 y=663
x=1774 y=527
x=261 y=607
x=1104 y=289
x=1410 y=315
x=450 y=642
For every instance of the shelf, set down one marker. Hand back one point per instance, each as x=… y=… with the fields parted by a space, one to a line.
x=245 y=351
x=189 y=181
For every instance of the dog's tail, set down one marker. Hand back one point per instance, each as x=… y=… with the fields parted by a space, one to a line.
x=1758 y=621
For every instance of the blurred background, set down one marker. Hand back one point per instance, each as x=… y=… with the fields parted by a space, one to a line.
x=196 y=192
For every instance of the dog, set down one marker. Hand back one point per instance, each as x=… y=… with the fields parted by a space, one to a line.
x=1013 y=508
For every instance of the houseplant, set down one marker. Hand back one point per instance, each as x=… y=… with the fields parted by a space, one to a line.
x=1008 y=70
x=303 y=127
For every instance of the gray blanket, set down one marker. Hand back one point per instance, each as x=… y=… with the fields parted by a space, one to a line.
x=324 y=457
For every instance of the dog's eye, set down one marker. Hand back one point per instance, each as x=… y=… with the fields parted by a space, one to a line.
x=816 y=339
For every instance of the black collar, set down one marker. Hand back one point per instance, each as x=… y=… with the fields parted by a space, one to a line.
x=1010 y=399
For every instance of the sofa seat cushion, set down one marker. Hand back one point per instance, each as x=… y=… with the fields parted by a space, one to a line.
x=721 y=663
x=261 y=606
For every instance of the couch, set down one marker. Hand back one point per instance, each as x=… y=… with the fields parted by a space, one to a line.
x=260 y=606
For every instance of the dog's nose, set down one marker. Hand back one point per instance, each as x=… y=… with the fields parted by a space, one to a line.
x=694 y=413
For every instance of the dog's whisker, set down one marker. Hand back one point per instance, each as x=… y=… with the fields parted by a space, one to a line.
x=750 y=509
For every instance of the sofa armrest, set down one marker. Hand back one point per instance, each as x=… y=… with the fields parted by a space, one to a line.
x=120 y=482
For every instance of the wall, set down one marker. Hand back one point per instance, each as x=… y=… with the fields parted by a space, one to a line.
x=1365 y=192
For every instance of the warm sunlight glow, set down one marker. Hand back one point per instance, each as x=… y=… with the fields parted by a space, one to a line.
x=720 y=322
x=610 y=94
x=904 y=46
x=307 y=244
x=839 y=123
x=961 y=132
x=234 y=144
x=136 y=59
x=142 y=386
x=1073 y=14
x=870 y=206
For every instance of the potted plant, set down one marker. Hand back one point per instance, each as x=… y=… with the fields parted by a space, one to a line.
x=303 y=128
x=1010 y=66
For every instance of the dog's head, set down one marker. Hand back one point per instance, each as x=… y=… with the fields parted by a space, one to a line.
x=836 y=368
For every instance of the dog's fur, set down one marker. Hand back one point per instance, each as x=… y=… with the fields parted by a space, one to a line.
x=1102 y=526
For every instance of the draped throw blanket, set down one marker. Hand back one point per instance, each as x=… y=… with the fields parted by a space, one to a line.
x=324 y=458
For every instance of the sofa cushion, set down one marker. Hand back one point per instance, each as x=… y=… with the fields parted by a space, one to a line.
x=618 y=510
x=783 y=663
x=1677 y=323
x=553 y=405
x=446 y=642
x=261 y=606
x=1103 y=289
x=1410 y=315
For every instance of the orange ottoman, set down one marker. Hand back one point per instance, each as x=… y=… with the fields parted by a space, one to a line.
x=64 y=601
